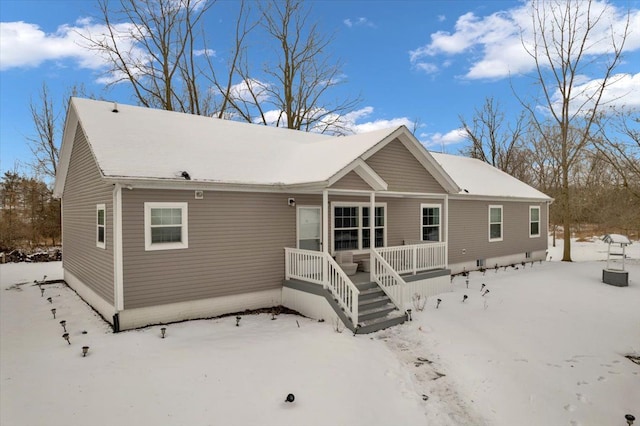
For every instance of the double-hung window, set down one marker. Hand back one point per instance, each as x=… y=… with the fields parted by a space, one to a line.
x=351 y=226
x=166 y=226
x=495 y=223
x=101 y=226
x=431 y=221
x=534 y=221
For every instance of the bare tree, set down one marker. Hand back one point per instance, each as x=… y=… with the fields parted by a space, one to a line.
x=564 y=32
x=293 y=91
x=152 y=45
x=496 y=142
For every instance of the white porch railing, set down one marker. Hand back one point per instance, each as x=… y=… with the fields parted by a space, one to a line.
x=320 y=268
x=388 y=279
x=414 y=258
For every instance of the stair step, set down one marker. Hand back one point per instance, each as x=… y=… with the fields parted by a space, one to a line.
x=366 y=286
x=374 y=313
x=376 y=324
x=366 y=304
x=371 y=293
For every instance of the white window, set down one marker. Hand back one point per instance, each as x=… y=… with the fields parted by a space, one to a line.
x=430 y=222
x=495 y=223
x=101 y=226
x=534 y=221
x=351 y=226
x=165 y=226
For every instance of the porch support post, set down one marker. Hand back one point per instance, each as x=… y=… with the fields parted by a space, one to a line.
x=372 y=229
x=446 y=230
x=325 y=237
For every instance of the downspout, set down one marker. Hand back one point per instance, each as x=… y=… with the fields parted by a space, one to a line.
x=118 y=287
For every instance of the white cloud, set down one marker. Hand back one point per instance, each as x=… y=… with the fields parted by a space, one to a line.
x=494 y=43
x=442 y=18
x=439 y=140
x=427 y=67
x=205 y=52
x=359 y=22
x=242 y=91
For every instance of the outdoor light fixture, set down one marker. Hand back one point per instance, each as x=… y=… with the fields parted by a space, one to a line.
x=65 y=336
x=163 y=331
x=464 y=298
x=53 y=311
x=238 y=321
x=482 y=287
x=630 y=418
x=63 y=323
x=467 y=281
x=50 y=300
x=485 y=292
x=85 y=349
x=438 y=304
x=409 y=314
x=41 y=292
x=290 y=398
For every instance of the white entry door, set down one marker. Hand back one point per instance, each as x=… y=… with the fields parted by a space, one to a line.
x=310 y=228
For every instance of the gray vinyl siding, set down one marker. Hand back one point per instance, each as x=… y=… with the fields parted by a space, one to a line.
x=83 y=191
x=402 y=172
x=468 y=230
x=351 y=181
x=236 y=245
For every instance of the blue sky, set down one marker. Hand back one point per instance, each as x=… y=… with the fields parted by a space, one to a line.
x=408 y=60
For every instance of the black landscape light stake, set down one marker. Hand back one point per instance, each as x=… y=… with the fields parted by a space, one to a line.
x=482 y=287
x=467 y=282
x=438 y=304
x=524 y=264
x=85 y=349
x=496 y=268
x=53 y=311
x=49 y=300
x=629 y=418
x=163 y=331
x=65 y=336
x=355 y=330
x=41 y=292
x=464 y=298
x=409 y=314
x=63 y=323
x=485 y=292
x=273 y=316
x=238 y=321
x=290 y=398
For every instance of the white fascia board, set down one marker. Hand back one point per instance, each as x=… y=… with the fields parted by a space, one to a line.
x=70 y=125
x=365 y=172
x=191 y=185
x=420 y=153
x=498 y=198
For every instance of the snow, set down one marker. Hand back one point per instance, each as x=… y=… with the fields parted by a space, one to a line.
x=481 y=179
x=547 y=346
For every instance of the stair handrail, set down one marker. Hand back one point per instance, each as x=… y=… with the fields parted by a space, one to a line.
x=388 y=279
x=343 y=290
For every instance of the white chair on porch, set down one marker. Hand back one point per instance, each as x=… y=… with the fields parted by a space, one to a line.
x=345 y=260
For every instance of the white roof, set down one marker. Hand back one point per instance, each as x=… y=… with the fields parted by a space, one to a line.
x=138 y=142
x=152 y=144
x=616 y=239
x=475 y=177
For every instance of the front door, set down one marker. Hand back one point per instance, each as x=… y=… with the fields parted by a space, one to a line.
x=310 y=228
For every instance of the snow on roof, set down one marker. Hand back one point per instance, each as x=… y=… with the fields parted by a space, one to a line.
x=138 y=142
x=616 y=239
x=475 y=177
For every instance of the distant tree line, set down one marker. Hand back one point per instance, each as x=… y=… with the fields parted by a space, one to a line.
x=29 y=215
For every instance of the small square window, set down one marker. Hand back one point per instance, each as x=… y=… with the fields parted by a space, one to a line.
x=165 y=226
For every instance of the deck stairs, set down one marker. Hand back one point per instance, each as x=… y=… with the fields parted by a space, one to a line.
x=375 y=310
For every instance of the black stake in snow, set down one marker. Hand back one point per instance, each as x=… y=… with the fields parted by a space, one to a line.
x=464 y=298
x=467 y=282
x=496 y=268
x=438 y=304
x=238 y=321
x=290 y=398
x=85 y=349
x=482 y=287
x=409 y=314
x=63 y=323
x=485 y=292
x=53 y=311
x=41 y=292
x=49 y=300
x=163 y=331
x=629 y=418
x=65 y=336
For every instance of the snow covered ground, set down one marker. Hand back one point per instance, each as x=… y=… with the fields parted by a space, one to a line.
x=546 y=346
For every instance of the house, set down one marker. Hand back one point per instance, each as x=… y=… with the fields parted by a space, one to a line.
x=169 y=216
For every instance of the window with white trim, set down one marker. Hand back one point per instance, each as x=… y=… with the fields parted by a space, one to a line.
x=166 y=226
x=431 y=221
x=101 y=226
x=534 y=221
x=351 y=226
x=495 y=223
